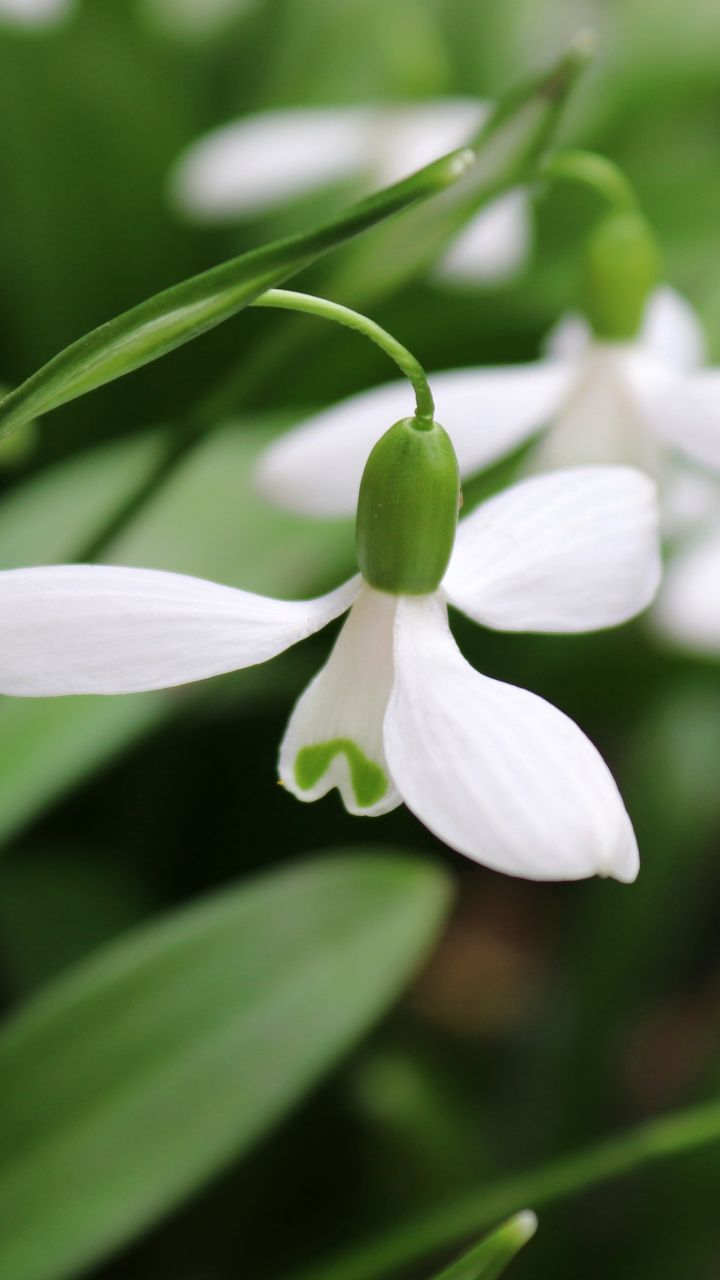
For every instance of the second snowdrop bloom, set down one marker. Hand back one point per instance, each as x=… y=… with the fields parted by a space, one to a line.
x=257 y=164
x=633 y=402
x=35 y=13
x=397 y=714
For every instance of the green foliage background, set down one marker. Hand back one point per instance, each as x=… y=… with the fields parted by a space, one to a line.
x=549 y=1016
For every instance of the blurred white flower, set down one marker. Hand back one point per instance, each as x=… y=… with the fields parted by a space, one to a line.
x=637 y=403
x=35 y=13
x=259 y=163
x=396 y=715
x=195 y=19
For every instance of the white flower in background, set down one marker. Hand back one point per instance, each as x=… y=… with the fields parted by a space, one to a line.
x=259 y=163
x=35 y=13
x=635 y=403
x=396 y=715
x=195 y=19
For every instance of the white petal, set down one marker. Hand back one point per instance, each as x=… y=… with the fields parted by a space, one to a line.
x=603 y=419
x=493 y=246
x=252 y=165
x=494 y=771
x=334 y=738
x=408 y=137
x=688 y=607
x=574 y=550
x=569 y=338
x=35 y=13
x=97 y=629
x=672 y=331
x=685 y=411
x=317 y=467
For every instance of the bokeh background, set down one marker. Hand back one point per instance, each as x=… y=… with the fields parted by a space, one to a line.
x=549 y=1016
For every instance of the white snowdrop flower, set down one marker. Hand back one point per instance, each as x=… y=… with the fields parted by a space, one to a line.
x=195 y=19
x=257 y=164
x=35 y=13
x=587 y=401
x=396 y=715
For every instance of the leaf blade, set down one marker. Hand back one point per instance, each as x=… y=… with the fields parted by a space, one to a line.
x=129 y=1082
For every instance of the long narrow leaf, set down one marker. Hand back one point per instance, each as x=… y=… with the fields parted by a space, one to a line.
x=168 y=319
x=129 y=1082
x=488 y=1260
x=502 y=153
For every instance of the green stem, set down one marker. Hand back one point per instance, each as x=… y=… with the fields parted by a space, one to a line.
x=289 y=300
x=438 y=1229
x=593 y=171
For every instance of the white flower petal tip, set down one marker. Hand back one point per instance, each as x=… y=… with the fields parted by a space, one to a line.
x=687 y=612
x=335 y=734
x=494 y=771
x=35 y=13
x=70 y=629
x=316 y=468
x=493 y=247
x=253 y=165
x=575 y=550
x=671 y=330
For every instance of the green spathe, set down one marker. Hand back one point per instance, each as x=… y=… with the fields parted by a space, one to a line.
x=620 y=270
x=368 y=780
x=408 y=509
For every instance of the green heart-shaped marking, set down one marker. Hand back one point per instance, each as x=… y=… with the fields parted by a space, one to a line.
x=369 y=781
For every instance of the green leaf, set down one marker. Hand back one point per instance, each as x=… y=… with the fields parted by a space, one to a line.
x=503 y=153
x=488 y=1260
x=508 y=148
x=129 y=1082
x=168 y=319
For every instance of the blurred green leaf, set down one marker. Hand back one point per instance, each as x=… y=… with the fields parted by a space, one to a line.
x=176 y=315
x=489 y=1259
x=132 y=1080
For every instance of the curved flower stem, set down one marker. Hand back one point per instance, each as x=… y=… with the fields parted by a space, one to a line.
x=290 y=300
x=477 y=1209
x=593 y=171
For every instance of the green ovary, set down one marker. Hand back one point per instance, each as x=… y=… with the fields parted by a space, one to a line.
x=369 y=781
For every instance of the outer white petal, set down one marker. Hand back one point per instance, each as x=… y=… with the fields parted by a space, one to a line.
x=672 y=331
x=493 y=246
x=408 y=137
x=494 y=771
x=685 y=411
x=317 y=467
x=252 y=165
x=344 y=708
x=688 y=607
x=97 y=629
x=35 y=13
x=574 y=550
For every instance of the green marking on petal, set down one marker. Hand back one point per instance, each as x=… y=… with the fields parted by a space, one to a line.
x=369 y=781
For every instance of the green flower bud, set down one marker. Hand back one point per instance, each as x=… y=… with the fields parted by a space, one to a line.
x=621 y=268
x=408 y=509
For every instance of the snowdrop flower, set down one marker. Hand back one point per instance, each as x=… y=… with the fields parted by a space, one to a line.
x=194 y=19
x=396 y=714
x=587 y=401
x=34 y=13
x=255 y=165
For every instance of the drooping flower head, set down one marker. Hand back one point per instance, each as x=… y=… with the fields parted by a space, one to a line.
x=396 y=714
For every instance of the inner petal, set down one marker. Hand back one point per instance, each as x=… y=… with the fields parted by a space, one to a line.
x=602 y=420
x=335 y=734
